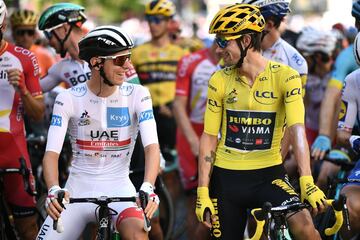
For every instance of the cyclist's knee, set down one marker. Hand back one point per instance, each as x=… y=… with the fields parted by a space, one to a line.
x=27 y=227
x=302 y=227
x=130 y=224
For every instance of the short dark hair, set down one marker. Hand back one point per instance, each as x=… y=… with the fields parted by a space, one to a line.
x=255 y=41
x=275 y=20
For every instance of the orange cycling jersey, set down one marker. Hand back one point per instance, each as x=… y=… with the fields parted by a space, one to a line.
x=156 y=67
x=252 y=119
x=45 y=59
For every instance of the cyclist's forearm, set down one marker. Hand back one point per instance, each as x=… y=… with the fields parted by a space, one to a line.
x=50 y=168
x=152 y=162
x=301 y=149
x=206 y=158
x=328 y=105
x=34 y=107
x=182 y=119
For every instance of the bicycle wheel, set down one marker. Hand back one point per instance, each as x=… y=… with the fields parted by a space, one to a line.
x=167 y=216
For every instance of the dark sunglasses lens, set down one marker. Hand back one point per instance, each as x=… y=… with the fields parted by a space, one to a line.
x=121 y=60
x=222 y=43
x=22 y=32
x=153 y=19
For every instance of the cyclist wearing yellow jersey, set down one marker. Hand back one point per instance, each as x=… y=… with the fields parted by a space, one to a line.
x=248 y=103
x=156 y=63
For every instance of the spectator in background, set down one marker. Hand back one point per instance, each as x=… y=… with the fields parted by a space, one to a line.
x=23 y=27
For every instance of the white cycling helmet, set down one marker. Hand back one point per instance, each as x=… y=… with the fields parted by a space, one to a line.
x=3 y=12
x=312 y=40
x=357 y=49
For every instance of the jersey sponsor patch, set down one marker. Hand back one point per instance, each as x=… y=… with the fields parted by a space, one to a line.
x=79 y=91
x=126 y=89
x=56 y=120
x=297 y=59
x=247 y=130
x=343 y=109
x=293 y=95
x=265 y=97
x=214 y=106
x=146 y=115
x=118 y=117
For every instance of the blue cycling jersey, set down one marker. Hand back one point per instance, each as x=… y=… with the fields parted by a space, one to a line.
x=345 y=63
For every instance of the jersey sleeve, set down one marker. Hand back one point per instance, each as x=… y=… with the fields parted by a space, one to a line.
x=345 y=63
x=146 y=119
x=52 y=79
x=348 y=111
x=32 y=74
x=62 y=112
x=214 y=105
x=293 y=101
x=183 y=77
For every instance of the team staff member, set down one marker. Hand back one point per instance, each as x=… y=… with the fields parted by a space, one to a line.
x=194 y=72
x=23 y=27
x=248 y=103
x=20 y=92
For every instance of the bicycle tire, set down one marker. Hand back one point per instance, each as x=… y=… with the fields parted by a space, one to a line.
x=167 y=211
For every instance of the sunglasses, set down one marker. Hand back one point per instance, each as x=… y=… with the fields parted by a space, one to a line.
x=118 y=60
x=22 y=32
x=221 y=42
x=154 y=19
x=48 y=32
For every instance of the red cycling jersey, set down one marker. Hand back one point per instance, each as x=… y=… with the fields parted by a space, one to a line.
x=193 y=74
x=11 y=114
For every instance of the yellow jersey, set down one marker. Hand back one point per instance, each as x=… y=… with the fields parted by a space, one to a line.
x=252 y=119
x=156 y=67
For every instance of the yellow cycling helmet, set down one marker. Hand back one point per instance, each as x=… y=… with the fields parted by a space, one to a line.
x=234 y=20
x=23 y=18
x=160 y=7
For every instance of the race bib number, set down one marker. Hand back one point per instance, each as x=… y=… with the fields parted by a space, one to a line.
x=247 y=130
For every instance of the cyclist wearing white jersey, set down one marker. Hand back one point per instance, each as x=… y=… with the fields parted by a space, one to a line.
x=349 y=120
x=345 y=63
x=103 y=116
x=62 y=26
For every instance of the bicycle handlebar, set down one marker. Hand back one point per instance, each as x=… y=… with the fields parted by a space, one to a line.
x=261 y=215
x=103 y=200
x=24 y=172
x=345 y=165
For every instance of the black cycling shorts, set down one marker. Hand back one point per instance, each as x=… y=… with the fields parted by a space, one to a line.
x=234 y=192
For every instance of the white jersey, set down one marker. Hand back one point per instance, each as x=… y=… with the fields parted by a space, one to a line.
x=102 y=130
x=284 y=53
x=68 y=70
x=350 y=104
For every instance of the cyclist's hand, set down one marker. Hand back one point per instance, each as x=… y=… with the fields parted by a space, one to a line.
x=311 y=193
x=321 y=145
x=17 y=80
x=53 y=208
x=153 y=199
x=204 y=206
x=355 y=143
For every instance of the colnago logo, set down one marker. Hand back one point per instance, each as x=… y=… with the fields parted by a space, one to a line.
x=118 y=117
x=106 y=41
x=146 y=115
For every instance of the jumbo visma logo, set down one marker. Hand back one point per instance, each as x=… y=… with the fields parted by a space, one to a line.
x=118 y=117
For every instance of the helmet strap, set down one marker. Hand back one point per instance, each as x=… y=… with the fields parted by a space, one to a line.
x=105 y=79
x=62 y=41
x=243 y=52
